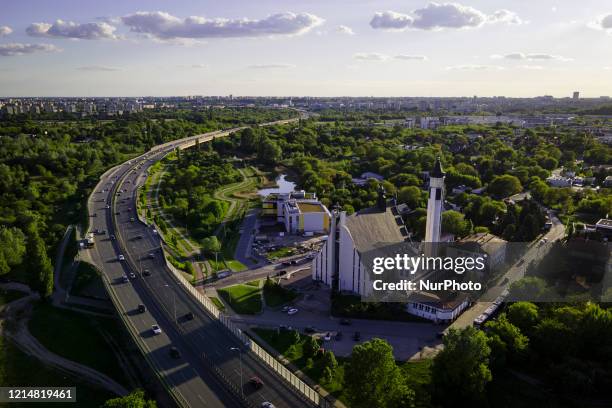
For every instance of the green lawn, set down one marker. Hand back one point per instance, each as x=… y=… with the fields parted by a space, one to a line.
x=236 y=266
x=78 y=337
x=281 y=252
x=217 y=303
x=243 y=299
x=282 y=341
x=19 y=369
x=7 y=295
x=253 y=283
x=276 y=295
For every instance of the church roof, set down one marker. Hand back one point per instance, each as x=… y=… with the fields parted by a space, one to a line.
x=437 y=171
x=372 y=226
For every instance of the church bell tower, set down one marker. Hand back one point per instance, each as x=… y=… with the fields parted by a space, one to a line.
x=433 y=228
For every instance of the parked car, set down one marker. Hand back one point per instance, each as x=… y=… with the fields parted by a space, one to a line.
x=256 y=382
x=146 y=272
x=174 y=352
x=292 y=311
x=189 y=316
x=357 y=336
x=142 y=308
x=155 y=329
x=285 y=309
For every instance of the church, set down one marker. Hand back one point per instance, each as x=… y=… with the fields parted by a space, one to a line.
x=339 y=264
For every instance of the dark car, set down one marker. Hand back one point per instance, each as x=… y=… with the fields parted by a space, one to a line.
x=357 y=336
x=146 y=272
x=345 y=322
x=174 y=352
x=142 y=308
x=189 y=316
x=256 y=382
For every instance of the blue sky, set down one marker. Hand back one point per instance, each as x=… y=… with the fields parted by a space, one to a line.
x=314 y=47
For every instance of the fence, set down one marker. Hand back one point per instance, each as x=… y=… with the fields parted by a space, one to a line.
x=307 y=391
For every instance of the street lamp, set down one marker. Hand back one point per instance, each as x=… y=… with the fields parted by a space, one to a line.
x=240 y=357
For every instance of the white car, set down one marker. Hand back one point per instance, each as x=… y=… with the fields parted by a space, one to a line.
x=121 y=257
x=267 y=404
x=132 y=275
x=155 y=329
x=292 y=311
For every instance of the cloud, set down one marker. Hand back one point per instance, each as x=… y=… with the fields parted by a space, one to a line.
x=69 y=29
x=475 y=67
x=437 y=16
x=531 y=67
x=606 y=22
x=345 y=30
x=271 y=66
x=370 y=56
x=531 y=57
x=5 y=30
x=408 y=57
x=14 y=49
x=162 y=25
x=193 y=66
x=98 y=68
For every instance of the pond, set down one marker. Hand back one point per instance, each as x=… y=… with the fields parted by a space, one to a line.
x=284 y=186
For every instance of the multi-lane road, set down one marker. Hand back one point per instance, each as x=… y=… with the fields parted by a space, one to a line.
x=214 y=368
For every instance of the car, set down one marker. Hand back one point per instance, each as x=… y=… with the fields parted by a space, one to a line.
x=327 y=337
x=131 y=219
x=138 y=237
x=292 y=311
x=102 y=232
x=151 y=255
x=256 y=382
x=267 y=404
x=141 y=308
x=112 y=237
x=132 y=275
x=285 y=309
x=108 y=207
x=155 y=329
x=339 y=336
x=174 y=352
x=124 y=279
x=357 y=336
x=345 y=322
x=118 y=212
x=154 y=231
x=146 y=272
x=310 y=329
x=121 y=257
x=189 y=316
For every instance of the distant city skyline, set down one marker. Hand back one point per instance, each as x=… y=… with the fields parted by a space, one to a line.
x=385 y=48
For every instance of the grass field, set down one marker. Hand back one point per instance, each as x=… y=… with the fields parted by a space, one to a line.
x=7 y=296
x=280 y=253
x=243 y=299
x=217 y=303
x=19 y=369
x=78 y=337
x=87 y=281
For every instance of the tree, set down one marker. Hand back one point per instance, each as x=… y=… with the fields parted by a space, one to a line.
x=211 y=245
x=12 y=248
x=455 y=223
x=523 y=315
x=515 y=341
x=39 y=265
x=410 y=195
x=461 y=369
x=136 y=399
x=269 y=151
x=504 y=186
x=311 y=346
x=329 y=360
x=373 y=379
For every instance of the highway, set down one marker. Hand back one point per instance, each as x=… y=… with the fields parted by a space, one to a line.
x=202 y=341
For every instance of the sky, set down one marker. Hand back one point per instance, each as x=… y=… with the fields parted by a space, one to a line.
x=515 y=48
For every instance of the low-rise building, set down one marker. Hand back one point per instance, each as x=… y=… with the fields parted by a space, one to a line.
x=559 y=181
x=299 y=211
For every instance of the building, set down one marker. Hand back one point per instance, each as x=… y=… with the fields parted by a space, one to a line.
x=604 y=227
x=483 y=242
x=363 y=179
x=300 y=212
x=559 y=181
x=433 y=227
x=576 y=95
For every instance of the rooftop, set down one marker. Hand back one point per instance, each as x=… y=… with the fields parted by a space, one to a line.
x=310 y=207
x=372 y=226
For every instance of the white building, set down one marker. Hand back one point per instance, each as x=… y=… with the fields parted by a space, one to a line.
x=559 y=181
x=298 y=211
x=433 y=227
